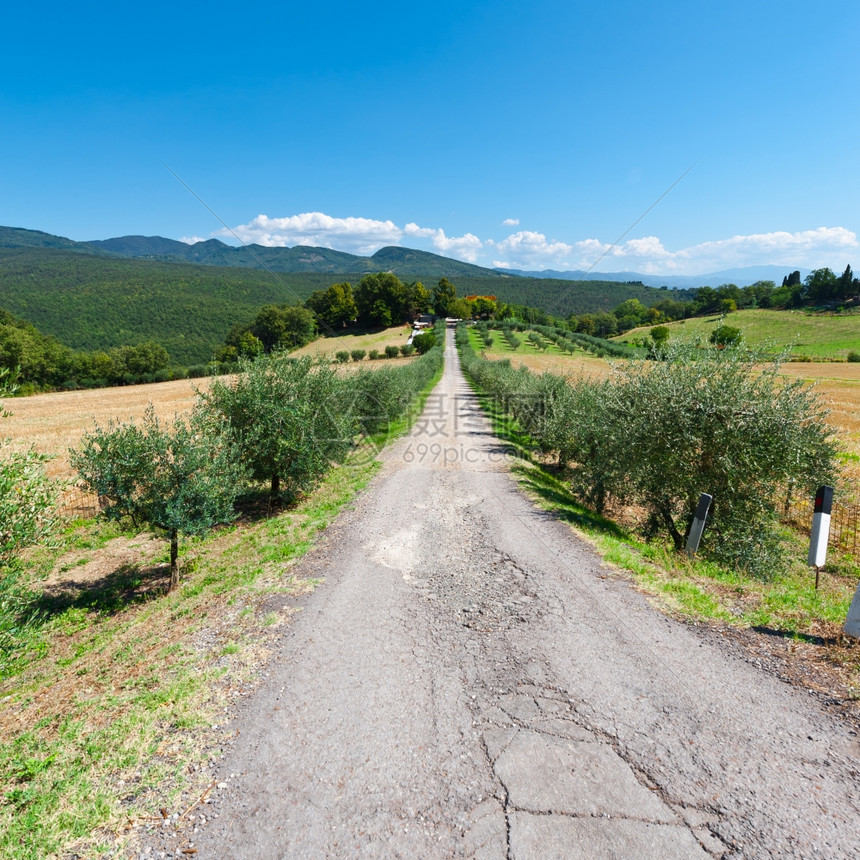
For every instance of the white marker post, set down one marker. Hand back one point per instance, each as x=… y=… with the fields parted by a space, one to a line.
x=820 y=529
x=698 y=524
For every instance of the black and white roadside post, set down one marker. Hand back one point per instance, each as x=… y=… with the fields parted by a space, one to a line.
x=820 y=529
x=698 y=526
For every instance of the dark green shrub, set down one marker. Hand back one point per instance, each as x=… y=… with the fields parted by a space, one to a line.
x=658 y=434
x=725 y=335
x=392 y=351
x=424 y=342
x=342 y=356
x=357 y=354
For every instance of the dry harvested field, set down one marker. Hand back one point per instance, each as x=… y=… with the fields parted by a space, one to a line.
x=52 y=423
x=581 y=364
x=838 y=385
x=396 y=336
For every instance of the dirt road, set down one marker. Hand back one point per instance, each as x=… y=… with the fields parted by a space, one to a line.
x=470 y=682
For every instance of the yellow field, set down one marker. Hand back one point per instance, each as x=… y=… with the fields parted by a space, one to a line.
x=565 y=365
x=837 y=383
x=838 y=386
x=52 y=423
x=396 y=336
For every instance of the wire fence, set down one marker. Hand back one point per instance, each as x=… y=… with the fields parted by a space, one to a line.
x=844 y=523
x=78 y=503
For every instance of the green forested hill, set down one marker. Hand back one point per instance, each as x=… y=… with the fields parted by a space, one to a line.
x=92 y=302
x=94 y=298
x=19 y=237
x=562 y=298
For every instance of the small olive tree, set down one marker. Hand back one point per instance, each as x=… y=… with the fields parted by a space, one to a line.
x=424 y=342
x=179 y=480
x=289 y=417
x=28 y=500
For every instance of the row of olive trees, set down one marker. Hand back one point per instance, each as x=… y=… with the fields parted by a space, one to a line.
x=657 y=434
x=283 y=421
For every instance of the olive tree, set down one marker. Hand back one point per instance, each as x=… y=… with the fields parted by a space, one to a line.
x=289 y=417
x=180 y=480
x=721 y=423
x=424 y=342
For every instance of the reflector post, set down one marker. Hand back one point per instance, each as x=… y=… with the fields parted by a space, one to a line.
x=852 y=622
x=820 y=526
x=698 y=526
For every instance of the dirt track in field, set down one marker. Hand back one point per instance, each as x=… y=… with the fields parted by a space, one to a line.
x=469 y=681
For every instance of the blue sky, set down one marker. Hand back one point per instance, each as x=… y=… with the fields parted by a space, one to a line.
x=521 y=135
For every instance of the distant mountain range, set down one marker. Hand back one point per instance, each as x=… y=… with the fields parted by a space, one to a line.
x=96 y=296
x=404 y=262
x=741 y=277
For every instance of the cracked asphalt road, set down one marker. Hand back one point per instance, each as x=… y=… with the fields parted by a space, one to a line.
x=470 y=682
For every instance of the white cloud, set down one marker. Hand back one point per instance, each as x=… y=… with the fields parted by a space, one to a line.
x=465 y=247
x=532 y=250
x=822 y=246
x=511 y=222
x=356 y=235
x=813 y=248
x=527 y=249
x=191 y=240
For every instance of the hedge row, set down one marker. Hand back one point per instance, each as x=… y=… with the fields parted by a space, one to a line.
x=657 y=434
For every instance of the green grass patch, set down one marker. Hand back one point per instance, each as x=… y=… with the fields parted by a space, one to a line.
x=815 y=335
x=502 y=349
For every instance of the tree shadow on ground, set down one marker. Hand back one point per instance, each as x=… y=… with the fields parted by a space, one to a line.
x=125 y=586
x=256 y=505
x=564 y=504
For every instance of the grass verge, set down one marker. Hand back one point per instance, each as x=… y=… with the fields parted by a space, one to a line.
x=112 y=710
